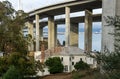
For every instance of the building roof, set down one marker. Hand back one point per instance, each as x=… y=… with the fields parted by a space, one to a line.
x=64 y=51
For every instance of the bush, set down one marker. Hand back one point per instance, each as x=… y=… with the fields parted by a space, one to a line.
x=81 y=66
x=3 y=65
x=54 y=65
x=76 y=76
x=12 y=73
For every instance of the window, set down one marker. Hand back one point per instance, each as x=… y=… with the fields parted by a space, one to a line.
x=80 y=59
x=61 y=58
x=72 y=63
x=72 y=57
x=66 y=68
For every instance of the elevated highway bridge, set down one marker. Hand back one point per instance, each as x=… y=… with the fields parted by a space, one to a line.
x=78 y=19
x=109 y=8
x=59 y=9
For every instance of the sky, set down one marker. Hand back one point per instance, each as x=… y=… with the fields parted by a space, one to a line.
x=29 y=5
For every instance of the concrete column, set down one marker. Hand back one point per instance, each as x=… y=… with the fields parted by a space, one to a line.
x=74 y=34
x=56 y=41
x=31 y=33
x=67 y=29
x=88 y=31
x=41 y=34
x=109 y=8
x=51 y=32
x=37 y=32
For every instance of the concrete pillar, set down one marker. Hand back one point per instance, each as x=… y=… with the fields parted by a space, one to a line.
x=41 y=34
x=88 y=31
x=37 y=32
x=67 y=28
x=109 y=8
x=74 y=34
x=56 y=41
x=31 y=33
x=51 y=32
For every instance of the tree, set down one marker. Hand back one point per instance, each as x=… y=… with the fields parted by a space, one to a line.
x=24 y=64
x=110 y=61
x=13 y=43
x=40 y=66
x=11 y=25
x=3 y=65
x=81 y=65
x=12 y=73
x=54 y=65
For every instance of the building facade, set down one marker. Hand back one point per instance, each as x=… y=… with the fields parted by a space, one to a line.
x=69 y=57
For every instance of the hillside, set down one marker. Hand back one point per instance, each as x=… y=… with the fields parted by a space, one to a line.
x=58 y=76
x=90 y=74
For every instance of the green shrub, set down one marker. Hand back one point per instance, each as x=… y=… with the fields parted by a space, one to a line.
x=81 y=66
x=79 y=74
x=54 y=65
x=12 y=73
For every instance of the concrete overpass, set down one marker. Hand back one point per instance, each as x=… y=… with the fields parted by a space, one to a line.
x=58 y=9
x=71 y=32
x=79 y=19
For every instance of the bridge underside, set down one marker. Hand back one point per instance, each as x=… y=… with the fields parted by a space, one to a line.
x=59 y=9
x=71 y=23
x=80 y=19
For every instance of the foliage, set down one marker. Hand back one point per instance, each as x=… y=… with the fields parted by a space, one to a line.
x=86 y=74
x=54 y=65
x=77 y=75
x=25 y=65
x=39 y=66
x=13 y=43
x=11 y=25
x=110 y=61
x=81 y=65
x=12 y=73
x=3 y=65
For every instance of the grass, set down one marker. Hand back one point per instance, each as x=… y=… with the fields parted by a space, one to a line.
x=86 y=74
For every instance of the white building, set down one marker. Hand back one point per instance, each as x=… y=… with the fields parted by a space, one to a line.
x=69 y=56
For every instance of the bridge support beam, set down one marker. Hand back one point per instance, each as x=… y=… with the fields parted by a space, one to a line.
x=67 y=29
x=31 y=33
x=112 y=9
x=37 y=33
x=51 y=32
x=88 y=31
x=74 y=34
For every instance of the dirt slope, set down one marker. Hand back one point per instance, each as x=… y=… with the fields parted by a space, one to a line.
x=58 y=76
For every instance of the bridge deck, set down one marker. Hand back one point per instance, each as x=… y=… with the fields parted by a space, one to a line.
x=80 y=19
x=58 y=9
